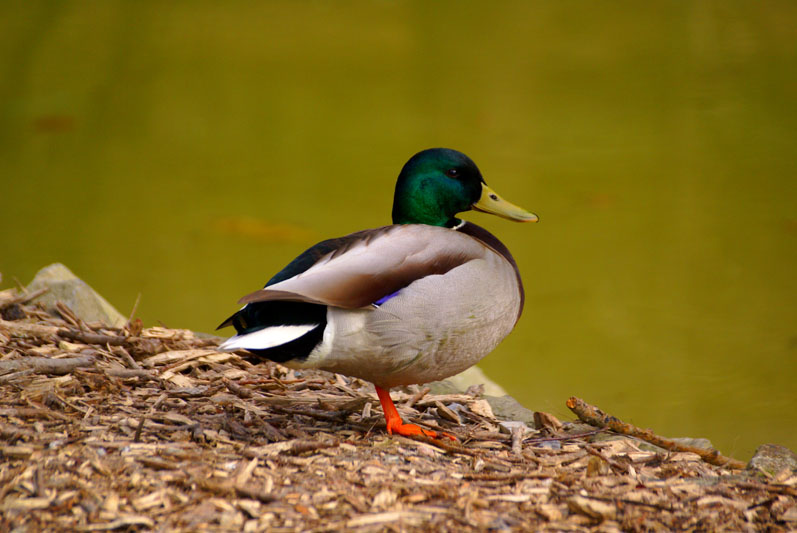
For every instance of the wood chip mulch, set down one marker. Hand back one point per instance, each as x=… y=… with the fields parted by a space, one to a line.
x=138 y=429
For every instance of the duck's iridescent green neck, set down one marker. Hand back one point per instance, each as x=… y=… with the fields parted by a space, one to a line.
x=414 y=203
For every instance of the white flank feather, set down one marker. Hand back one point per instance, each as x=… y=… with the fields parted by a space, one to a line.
x=265 y=338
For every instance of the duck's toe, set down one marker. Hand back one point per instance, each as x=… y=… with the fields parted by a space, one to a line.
x=396 y=426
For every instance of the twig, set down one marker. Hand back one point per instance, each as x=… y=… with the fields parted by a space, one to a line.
x=272 y=433
x=45 y=365
x=417 y=397
x=15 y=375
x=611 y=462
x=25 y=330
x=52 y=396
x=236 y=389
x=69 y=315
x=595 y=417
x=517 y=440
x=133 y=312
x=127 y=357
x=309 y=446
x=318 y=415
x=779 y=489
x=225 y=489
x=91 y=338
x=254 y=494
x=8 y=432
x=157 y=463
x=9 y=481
x=615 y=501
x=566 y=437
x=137 y=436
x=23 y=298
x=35 y=411
x=511 y=476
x=126 y=373
x=767 y=502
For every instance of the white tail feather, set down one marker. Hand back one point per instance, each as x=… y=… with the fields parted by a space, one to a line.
x=265 y=338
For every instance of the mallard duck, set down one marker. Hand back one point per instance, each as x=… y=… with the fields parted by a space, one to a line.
x=417 y=301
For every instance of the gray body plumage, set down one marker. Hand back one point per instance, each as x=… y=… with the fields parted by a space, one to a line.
x=458 y=298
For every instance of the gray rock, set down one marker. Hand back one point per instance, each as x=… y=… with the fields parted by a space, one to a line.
x=459 y=384
x=65 y=287
x=772 y=459
x=697 y=442
x=443 y=387
x=504 y=406
x=508 y=408
x=511 y=425
x=686 y=441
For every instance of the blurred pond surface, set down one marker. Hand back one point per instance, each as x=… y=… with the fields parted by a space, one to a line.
x=185 y=151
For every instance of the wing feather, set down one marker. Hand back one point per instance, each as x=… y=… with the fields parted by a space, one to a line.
x=373 y=264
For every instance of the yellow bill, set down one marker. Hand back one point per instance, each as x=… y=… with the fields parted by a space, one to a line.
x=490 y=202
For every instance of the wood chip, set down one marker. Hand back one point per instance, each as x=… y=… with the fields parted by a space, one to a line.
x=17 y=452
x=447 y=413
x=25 y=504
x=123 y=522
x=481 y=408
x=592 y=508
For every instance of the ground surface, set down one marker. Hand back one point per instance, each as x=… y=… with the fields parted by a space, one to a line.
x=152 y=429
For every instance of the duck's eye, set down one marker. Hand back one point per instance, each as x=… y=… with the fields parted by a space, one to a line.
x=452 y=173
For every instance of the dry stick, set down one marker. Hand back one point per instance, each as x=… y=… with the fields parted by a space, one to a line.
x=92 y=338
x=780 y=489
x=126 y=373
x=15 y=375
x=69 y=315
x=517 y=440
x=417 y=397
x=133 y=312
x=595 y=417
x=45 y=365
x=126 y=356
x=272 y=433
x=137 y=436
x=9 y=481
x=309 y=446
x=565 y=437
x=25 y=330
x=35 y=411
x=630 y=502
x=611 y=462
x=23 y=298
x=511 y=476
x=226 y=489
x=236 y=389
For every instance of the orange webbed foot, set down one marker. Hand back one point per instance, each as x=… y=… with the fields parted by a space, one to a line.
x=397 y=426
x=408 y=430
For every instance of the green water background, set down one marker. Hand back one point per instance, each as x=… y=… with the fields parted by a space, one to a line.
x=185 y=151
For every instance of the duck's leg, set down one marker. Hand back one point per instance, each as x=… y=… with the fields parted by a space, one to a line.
x=394 y=423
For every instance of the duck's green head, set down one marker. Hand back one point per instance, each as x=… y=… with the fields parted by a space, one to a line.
x=438 y=183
